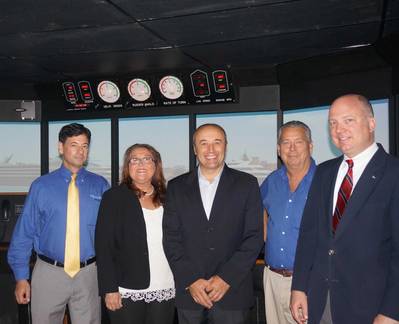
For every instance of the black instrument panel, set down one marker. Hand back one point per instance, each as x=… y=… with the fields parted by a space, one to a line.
x=181 y=88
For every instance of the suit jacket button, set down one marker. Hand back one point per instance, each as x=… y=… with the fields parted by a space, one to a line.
x=211 y=249
x=331 y=252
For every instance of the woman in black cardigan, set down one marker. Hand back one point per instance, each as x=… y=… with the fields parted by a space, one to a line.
x=133 y=274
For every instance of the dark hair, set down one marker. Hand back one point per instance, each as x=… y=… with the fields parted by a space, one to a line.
x=158 y=179
x=72 y=130
x=296 y=123
x=210 y=125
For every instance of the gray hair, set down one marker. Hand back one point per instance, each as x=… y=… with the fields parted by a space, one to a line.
x=296 y=123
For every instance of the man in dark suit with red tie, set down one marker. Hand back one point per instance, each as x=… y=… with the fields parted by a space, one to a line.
x=347 y=260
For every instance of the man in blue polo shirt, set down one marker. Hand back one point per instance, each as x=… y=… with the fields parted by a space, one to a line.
x=284 y=194
x=58 y=222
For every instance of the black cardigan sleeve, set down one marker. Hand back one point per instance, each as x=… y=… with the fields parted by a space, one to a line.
x=105 y=245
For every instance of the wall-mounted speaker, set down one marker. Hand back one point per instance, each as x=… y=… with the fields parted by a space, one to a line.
x=20 y=110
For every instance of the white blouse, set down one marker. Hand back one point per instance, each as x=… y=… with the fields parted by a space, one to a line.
x=162 y=286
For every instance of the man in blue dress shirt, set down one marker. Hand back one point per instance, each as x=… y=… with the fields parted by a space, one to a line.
x=284 y=195
x=42 y=226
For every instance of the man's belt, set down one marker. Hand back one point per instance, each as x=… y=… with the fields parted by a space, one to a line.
x=283 y=272
x=60 y=264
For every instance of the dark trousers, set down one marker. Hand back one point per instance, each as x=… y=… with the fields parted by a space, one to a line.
x=215 y=315
x=140 y=312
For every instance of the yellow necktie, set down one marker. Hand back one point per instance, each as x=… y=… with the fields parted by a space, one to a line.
x=72 y=239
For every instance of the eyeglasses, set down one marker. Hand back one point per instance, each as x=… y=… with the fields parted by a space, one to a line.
x=146 y=160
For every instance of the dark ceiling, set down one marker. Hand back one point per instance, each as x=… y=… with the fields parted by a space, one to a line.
x=47 y=40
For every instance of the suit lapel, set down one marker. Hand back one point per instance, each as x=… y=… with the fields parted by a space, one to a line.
x=194 y=194
x=329 y=185
x=367 y=183
x=222 y=193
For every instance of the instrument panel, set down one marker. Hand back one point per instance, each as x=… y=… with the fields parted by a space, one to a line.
x=143 y=91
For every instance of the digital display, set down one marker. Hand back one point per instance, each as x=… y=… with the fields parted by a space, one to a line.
x=220 y=81
x=200 y=83
x=70 y=92
x=85 y=91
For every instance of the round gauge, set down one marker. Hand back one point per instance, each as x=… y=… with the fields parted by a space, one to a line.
x=171 y=87
x=108 y=91
x=139 y=89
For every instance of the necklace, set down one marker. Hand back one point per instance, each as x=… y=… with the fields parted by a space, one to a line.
x=149 y=193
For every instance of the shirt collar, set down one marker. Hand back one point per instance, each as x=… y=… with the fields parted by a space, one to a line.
x=366 y=155
x=66 y=173
x=215 y=179
x=312 y=170
x=308 y=175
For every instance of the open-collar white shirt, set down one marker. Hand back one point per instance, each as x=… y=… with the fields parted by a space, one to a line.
x=208 y=190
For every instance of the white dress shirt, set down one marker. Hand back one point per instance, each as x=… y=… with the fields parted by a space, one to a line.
x=360 y=162
x=208 y=190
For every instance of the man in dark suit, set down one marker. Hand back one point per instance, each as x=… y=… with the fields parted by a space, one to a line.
x=347 y=261
x=213 y=234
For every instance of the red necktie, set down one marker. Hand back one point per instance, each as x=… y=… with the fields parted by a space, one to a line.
x=343 y=195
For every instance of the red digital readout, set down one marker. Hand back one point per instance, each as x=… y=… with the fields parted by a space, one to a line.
x=220 y=81
x=85 y=91
x=70 y=92
x=200 y=84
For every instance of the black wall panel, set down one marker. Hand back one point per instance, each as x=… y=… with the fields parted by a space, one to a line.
x=10 y=208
